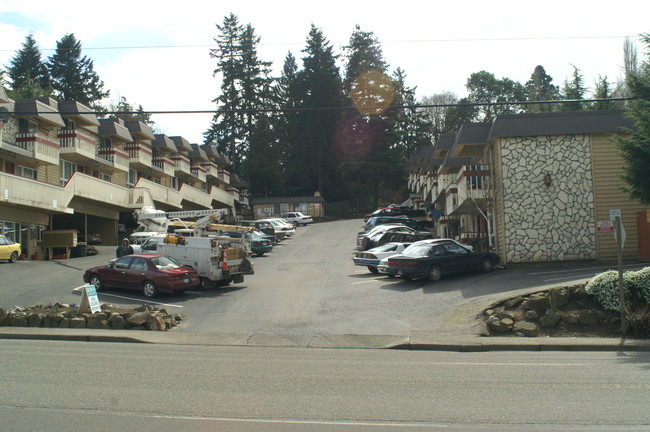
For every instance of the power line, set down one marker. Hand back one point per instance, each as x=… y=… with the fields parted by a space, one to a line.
x=405 y=41
x=346 y=108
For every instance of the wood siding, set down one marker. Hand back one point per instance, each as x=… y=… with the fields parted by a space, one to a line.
x=607 y=166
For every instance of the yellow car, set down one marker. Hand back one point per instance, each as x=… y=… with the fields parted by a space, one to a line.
x=9 y=250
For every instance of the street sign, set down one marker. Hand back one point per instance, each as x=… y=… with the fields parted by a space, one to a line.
x=605 y=227
x=614 y=213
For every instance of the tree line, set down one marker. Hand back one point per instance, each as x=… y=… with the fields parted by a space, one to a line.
x=343 y=131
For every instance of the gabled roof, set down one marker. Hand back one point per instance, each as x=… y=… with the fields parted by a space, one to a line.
x=114 y=129
x=163 y=143
x=139 y=130
x=182 y=145
x=82 y=114
x=44 y=110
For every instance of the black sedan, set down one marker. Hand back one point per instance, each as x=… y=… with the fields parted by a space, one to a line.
x=149 y=274
x=434 y=258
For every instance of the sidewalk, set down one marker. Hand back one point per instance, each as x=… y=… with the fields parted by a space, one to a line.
x=419 y=341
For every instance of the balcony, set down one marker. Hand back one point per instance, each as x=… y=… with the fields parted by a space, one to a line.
x=182 y=165
x=161 y=194
x=38 y=146
x=222 y=197
x=196 y=196
x=224 y=176
x=198 y=172
x=473 y=183
x=93 y=189
x=140 y=157
x=77 y=145
x=112 y=159
x=211 y=169
x=165 y=164
x=23 y=192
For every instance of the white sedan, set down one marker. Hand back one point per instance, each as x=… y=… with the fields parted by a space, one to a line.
x=371 y=258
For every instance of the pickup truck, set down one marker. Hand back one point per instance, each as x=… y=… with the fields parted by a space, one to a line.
x=219 y=259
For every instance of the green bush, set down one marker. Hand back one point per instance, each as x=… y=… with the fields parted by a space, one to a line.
x=636 y=286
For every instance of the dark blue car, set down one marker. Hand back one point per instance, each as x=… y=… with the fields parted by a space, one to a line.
x=432 y=259
x=260 y=243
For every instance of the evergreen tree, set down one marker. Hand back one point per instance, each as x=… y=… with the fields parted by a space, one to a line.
x=27 y=72
x=125 y=111
x=73 y=76
x=463 y=112
x=261 y=165
x=318 y=117
x=540 y=88
x=635 y=145
x=603 y=90
x=574 y=90
x=245 y=89
x=289 y=96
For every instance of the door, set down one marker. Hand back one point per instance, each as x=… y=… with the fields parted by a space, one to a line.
x=643 y=236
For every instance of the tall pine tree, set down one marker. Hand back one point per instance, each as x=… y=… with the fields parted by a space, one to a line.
x=73 y=76
x=28 y=73
x=574 y=91
x=540 y=87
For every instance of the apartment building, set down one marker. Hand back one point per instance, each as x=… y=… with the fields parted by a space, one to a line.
x=534 y=187
x=61 y=167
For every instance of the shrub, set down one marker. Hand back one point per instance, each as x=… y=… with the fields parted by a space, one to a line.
x=636 y=287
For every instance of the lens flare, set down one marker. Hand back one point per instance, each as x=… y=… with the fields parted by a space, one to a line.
x=372 y=92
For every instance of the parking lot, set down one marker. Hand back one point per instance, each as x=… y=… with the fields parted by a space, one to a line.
x=307 y=284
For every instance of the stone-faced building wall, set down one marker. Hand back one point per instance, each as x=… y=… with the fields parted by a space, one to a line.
x=554 y=222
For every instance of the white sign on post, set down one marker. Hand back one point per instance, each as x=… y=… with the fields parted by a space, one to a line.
x=614 y=213
x=89 y=300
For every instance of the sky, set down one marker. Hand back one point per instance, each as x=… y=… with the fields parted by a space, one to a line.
x=157 y=53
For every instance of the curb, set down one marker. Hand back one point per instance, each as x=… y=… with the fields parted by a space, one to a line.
x=463 y=344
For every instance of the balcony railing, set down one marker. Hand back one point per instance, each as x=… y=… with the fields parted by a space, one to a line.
x=182 y=163
x=211 y=169
x=139 y=154
x=198 y=172
x=222 y=196
x=77 y=143
x=167 y=165
x=39 y=146
x=116 y=159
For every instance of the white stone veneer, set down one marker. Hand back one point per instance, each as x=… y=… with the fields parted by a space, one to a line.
x=548 y=223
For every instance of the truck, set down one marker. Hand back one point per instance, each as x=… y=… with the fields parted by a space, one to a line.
x=218 y=259
x=153 y=222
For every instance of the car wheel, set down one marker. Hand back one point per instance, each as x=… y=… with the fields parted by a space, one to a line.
x=259 y=254
x=149 y=289
x=373 y=269
x=14 y=257
x=95 y=281
x=435 y=273
x=487 y=265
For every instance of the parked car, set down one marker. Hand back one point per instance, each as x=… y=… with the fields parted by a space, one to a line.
x=93 y=238
x=380 y=220
x=9 y=250
x=372 y=257
x=297 y=218
x=365 y=240
x=396 y=210
x=261 y=225
x=282 y=229
x=149 y=274
x=434 y=258
x=260 y=243
x=400 y=237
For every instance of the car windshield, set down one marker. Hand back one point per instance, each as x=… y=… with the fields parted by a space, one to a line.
x=388 y=247
x=417 y=250
x=165 y=262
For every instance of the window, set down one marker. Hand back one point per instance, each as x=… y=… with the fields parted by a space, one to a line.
x=139 y=264
x=67 y=169
x=132 y=179
x=105 y=177
x=27 y=126
x=284 y=207
x=27 y=172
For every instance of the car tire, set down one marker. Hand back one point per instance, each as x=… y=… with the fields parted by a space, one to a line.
x=96 y=281
x=14 y=257
x=373 y=269
x=259 y=254
x=435 y=273
x=487 y=265
x=149 y=289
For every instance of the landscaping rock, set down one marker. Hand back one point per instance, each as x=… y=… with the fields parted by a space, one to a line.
x=588 y=317
x=502 y=326
x=536 y=302
x=550 y=319
x=526 y=328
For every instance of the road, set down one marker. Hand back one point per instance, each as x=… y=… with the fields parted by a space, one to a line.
x=56 y=386
x=306 y=285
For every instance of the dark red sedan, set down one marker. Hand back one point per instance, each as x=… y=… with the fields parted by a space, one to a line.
x=149 y=274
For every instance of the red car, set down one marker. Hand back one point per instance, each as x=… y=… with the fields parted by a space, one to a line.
x=147 y=273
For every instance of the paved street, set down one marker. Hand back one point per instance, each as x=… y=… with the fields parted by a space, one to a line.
x=306 y=285
x=58 y=386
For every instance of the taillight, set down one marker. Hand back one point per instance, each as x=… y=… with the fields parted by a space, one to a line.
x=403 y=263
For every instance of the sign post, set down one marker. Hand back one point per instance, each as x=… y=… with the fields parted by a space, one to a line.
x=619 y=235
